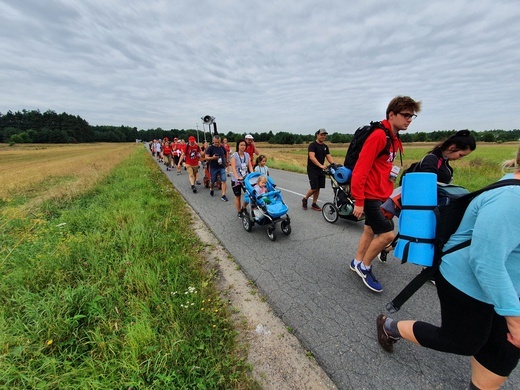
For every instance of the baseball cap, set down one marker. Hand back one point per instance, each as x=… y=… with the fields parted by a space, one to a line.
x=192 y=138
x=249 y=136
x=321 y=131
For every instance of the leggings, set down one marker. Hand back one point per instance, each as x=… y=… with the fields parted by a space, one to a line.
x=469 y=327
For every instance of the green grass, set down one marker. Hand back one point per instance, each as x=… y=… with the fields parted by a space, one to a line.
x=108 y=291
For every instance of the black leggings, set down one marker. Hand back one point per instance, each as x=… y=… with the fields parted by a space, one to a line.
x=469 y=327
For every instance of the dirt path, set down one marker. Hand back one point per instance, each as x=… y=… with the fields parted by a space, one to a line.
x=277 y=357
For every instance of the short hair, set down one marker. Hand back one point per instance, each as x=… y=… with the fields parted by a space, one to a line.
x=400 y=103
x=216 y=136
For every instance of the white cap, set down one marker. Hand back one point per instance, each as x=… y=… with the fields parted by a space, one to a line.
x=249 y=136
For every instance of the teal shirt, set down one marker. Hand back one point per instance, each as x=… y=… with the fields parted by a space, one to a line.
x=489 y=269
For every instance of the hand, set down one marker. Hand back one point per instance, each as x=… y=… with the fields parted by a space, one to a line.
x=513 y=324
x=358 y=211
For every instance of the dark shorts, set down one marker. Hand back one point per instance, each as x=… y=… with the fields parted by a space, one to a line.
x=316 y=179
x=375 y=218
x=237 y=189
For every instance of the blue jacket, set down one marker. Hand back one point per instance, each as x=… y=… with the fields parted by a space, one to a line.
x=489 y=269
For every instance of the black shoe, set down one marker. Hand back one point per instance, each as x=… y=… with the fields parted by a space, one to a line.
x=382 y=256
x=304 y=203
x=194 y=189
x=384 y=340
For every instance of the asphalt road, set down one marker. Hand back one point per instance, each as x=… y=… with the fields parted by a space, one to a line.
x=308 y=284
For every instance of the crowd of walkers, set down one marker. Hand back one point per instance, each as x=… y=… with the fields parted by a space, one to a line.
x=478 y=286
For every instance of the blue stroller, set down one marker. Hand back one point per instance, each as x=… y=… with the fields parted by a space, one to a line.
x=266 y=209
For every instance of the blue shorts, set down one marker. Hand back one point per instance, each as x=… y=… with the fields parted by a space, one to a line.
x=214 y=172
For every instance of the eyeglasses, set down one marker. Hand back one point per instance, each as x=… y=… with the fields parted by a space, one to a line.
x=408 y=116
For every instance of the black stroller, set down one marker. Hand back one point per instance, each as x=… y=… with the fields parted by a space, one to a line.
x=343 y=205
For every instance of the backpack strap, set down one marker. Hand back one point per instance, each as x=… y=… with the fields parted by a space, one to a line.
x=429 y=272
x=386 y=150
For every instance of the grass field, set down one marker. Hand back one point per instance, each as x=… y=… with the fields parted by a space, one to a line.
x=102 y=282
x=480 y=168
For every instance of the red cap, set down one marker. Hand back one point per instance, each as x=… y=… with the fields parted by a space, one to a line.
x=192 y=138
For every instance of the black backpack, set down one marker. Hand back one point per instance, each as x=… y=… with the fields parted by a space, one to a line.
x=449 y=213
x=413 y=168
x=360 y=136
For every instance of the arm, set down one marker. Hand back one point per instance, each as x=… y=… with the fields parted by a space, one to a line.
x=312 y=157
x=234 y=169
x=329 y=159
x=374 y=144
x=495 y=249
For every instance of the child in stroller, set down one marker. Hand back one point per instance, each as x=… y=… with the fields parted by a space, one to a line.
x=265 y=205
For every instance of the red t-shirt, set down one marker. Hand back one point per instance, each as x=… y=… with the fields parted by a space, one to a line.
x=371 y=175
x=192 y=155
x=167 y=149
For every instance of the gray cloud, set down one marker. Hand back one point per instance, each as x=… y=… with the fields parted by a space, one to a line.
x=292 y=66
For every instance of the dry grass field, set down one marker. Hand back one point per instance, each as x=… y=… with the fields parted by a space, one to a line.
x=42 y=172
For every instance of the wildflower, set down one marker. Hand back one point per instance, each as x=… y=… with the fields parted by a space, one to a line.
x=49 y=342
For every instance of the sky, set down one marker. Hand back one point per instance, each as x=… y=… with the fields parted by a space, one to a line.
x=259 y=66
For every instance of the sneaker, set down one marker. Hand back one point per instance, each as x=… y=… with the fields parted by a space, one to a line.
x=194 y=189
x=211 y=193
x=369 y=279
x=384 y=340
x=167 y=168
x=314 y=206
x=304 y=203
x=352 y=266
x=197 y=182
x=382 y=256
x=224 y=198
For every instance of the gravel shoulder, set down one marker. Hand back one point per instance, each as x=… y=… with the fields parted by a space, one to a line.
x=278 y=359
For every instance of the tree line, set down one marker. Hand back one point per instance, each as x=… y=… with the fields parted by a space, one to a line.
x=50 y=127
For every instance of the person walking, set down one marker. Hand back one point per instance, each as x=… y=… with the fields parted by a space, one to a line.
x=217 y=158
x=437 y=161
x=240 y=167
x=167 y=154
x=317 y=153
x=372 y=183
x=191 y=158
x=251 y=148
x=478 y=288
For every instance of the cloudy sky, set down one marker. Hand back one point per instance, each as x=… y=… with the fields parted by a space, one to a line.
x=263 y=65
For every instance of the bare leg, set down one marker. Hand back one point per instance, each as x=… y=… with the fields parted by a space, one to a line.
x=375 y=247
x=483 y=378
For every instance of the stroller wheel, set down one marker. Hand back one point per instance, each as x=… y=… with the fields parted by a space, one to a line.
x=247 y=222
x=286 y=227
x=330 y=212
x=271 y=234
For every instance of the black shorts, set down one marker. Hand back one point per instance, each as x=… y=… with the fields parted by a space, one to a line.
x=316 y=179
x=237 y=189
x=375 y=218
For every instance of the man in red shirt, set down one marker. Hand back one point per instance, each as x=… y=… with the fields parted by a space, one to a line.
x=191 y=157
x=373 y=182
x=251 y=148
